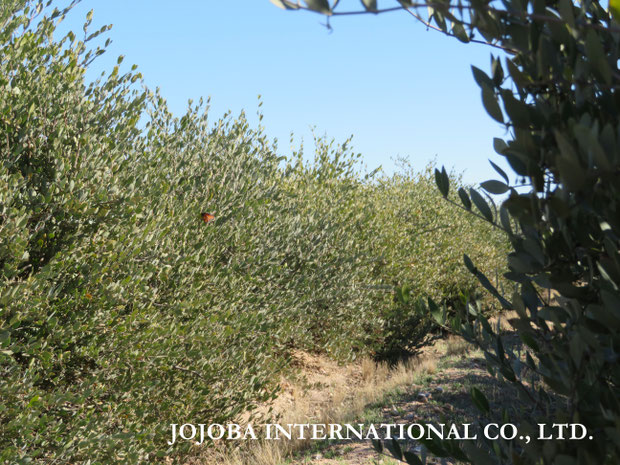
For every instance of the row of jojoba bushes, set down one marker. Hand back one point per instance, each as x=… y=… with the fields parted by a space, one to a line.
x=123 y=311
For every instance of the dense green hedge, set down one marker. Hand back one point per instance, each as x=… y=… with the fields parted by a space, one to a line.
x=121 y=311
x=555 y=89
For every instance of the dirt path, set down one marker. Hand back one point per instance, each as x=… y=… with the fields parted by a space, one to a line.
x=435 y=394
x=434 y=388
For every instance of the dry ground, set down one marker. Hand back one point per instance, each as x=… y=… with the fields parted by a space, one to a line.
x=323 y=391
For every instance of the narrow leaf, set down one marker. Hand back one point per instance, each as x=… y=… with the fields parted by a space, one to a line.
x=442 y=181
x=377 y=445
x=322 y=6
x=396 y=450
x=464 y=198
x=500 y=171
x=481 y=205
x=481 y=77
x=469 y=264
x=370 y=5
x=480 y=401
x=411 y=458
x=494 y=187
x=489 y=100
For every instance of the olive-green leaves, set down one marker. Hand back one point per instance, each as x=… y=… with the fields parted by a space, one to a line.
x=394 y=447
x=443 y=183
x=557 y=97
x=125 y=310
x=558 y=108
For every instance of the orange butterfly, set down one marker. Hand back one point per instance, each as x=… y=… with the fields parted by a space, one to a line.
x=206 y=217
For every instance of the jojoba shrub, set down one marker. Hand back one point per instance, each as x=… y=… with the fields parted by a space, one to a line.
x=420 y=240
x=124 y=309
x=121 y=310
x=554 y=86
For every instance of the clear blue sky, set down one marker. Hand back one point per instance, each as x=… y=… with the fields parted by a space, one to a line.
x=398 y=88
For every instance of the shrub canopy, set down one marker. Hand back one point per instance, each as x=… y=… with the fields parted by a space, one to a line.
x=554 y=86
x=122 y=311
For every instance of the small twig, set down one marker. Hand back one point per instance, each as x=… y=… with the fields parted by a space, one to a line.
x=187 y=370
x=356 y=12
x=504 y=13
x=449 y=34
x=476 y=214
x=424 y=231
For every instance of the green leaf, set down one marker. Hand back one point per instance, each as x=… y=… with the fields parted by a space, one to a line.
x=459 y=32
x=570 y=170
x=438 y=315
x=285 y=4
x=411 y=458
x=469 y=264
x=434 y=446
x=565 y=8
x=455 y=451
x=597 y=56
x=497 y=71
x=495 y=187
x=377 y=445
x=403 y=294
x=612 y=304
x=500 y=171
x=33 y=401
x=516 y=110
x=485 y=282
x=489 y=287
x=464 y=198
x=508 y=373
x=557 y=385
x=521 y=79
x=491 y=105
x=396 y=450
x=442 y=181
x=480 y=401
x=529 y=340
x=500 y=147
x=370 y=5
x=504 y=219
x=481 y=205
x=477 y=455
x=322 y=6
x=500 y=348
x=481 y=77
